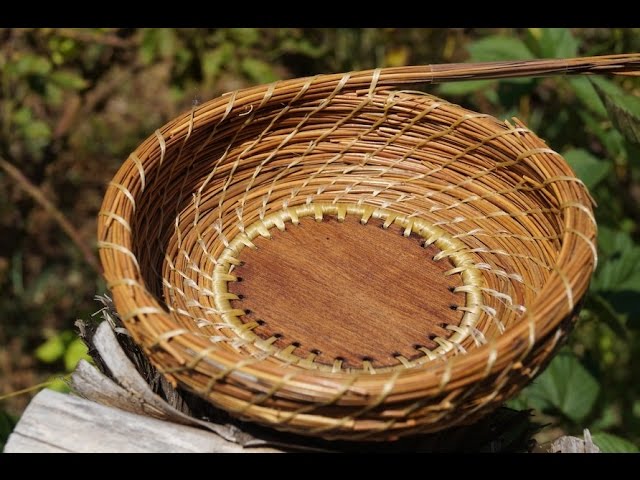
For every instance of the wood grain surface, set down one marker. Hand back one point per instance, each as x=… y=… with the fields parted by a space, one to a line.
x=347 y=291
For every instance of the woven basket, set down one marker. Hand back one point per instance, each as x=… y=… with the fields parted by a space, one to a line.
x=242 y=247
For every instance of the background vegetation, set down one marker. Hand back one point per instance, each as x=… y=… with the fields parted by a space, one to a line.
x=75 y=102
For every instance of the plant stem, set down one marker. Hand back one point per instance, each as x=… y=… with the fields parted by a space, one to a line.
x=51 y=209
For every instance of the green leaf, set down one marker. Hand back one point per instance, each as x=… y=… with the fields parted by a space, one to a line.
x=557 y=43
x=606 y=313
x=258 y=71
x=588 y=168
x=609 y=443
x=619 y=273
x=55 y=347
x=58 y=384
x=75 y=352
x=167 y=42
x=53 y=94
x=22 y=116
x=68 y=80
x=611 y=138
x=498 y=47
x=31 y=65
x=214 y=60
x=586 y=93
x=245 y=36
x=303 y=46
x=51 y=350
x=606 y=85
x=7 y=424
x=148 y=46
x=624 y=112
x=464 y=88
x=565 y=386
x=611 y=241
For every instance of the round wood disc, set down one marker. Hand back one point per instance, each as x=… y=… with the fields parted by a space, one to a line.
x=347 y=291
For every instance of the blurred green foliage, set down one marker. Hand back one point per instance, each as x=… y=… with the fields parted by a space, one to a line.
x=75 y=102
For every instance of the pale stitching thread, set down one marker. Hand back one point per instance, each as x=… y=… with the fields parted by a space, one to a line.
x=275 y=119
x=126 y=193
x=498 y=165
x=263 y=397
x=136 y=160
x=121 y=249
x=547 y=351
x=230 y=315
x=350 y=419
x=136 y=312
x=374 y=82
x=296 y=129
x=589 y=242
x=117 y=218
x=238 y=159
x=228 y=109
x=567 y=286
x=407 y=126
x=313 y=144
x=336 y=157
x=185 y=175
x=168 y=181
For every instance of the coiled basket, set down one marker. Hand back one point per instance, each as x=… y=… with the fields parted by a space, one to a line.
x=344 y=257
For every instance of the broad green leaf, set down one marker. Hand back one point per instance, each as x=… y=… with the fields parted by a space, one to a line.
x=75 y=352
x=619 y=273
x=565 y=386
x=624 y=111
x=612 y=241
x=51 y=350
x=498 y=47
x=609 y=443
x=464 y=88
x=68 y=80
x=588 y=168
x=258 y=71
x=557 y=43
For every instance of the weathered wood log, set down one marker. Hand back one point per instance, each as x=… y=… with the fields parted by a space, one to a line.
x=54 y=422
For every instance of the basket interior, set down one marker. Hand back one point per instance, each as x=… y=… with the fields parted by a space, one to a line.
x=484 y=184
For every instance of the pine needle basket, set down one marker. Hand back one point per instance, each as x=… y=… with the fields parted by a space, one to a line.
x=344 y=257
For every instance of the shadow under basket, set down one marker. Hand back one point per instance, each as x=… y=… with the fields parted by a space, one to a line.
x=338 y=258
